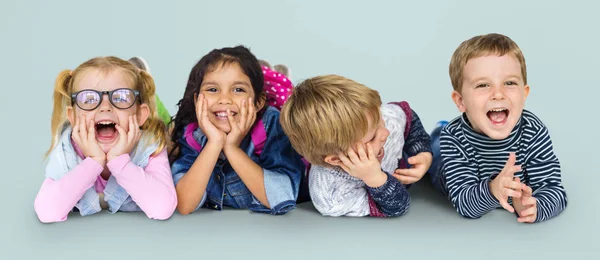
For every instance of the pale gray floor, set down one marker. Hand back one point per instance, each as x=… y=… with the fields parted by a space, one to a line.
x=401 y=49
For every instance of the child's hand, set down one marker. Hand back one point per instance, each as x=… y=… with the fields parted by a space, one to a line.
x=364 y=166
x=526 y=206
x=127 y=140
x=85 y=137
x=420 y=164
x=213 y=134
x=240 y=129
x=503 y=186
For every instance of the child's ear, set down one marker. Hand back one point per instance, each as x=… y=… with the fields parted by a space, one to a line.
x=526 y=91
x=458 y=100
x=262 y=100
x=143 y=112
x=71 y=115
x=333 y=160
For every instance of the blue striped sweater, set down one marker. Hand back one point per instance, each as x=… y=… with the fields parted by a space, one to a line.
x=471 y=160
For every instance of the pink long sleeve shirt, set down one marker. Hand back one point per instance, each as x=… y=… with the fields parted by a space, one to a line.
x=151 y=188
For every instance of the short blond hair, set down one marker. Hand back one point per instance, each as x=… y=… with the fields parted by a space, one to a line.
x=479 y=46
x=327 y=114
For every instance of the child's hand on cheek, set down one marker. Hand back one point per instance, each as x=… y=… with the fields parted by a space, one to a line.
x=84 y=135
x=240 y=129
x=214 y=135
x=420 y=164
x=363 y=165
x=127 y=140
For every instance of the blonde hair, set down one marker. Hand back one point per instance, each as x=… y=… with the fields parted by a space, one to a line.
x=140 y=80
x=327 y=114
x=479 y=46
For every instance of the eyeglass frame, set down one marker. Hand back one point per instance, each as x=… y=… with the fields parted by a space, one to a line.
x=136 y=95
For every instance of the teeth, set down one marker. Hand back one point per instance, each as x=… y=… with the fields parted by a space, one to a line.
x=224 y=114
x=498 y=109
x=104 y=123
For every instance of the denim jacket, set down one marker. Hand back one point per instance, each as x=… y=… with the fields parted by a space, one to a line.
x=282 y=166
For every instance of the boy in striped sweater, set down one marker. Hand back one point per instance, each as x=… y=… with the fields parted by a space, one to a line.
x=357 y=147
x=496 y=153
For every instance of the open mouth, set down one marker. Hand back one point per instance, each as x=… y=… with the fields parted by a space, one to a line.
x=222 y=115
x=498 y=116
x=106 y=131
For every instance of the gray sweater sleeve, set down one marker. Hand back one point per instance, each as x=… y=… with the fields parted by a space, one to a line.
x=336 y=193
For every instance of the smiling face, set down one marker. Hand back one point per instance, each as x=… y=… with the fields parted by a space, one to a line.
x=493 y=94
x=376 y=136
x=225 y=88
x=106 y=115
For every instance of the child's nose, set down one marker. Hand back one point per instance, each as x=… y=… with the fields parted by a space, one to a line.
x=105 y=105
x=498 y=92
x=225 y=99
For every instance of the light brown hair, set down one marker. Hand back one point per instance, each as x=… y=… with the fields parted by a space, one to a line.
x=327 y=114
x=479 y=46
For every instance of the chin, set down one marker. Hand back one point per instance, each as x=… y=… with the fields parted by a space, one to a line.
x=106 y=147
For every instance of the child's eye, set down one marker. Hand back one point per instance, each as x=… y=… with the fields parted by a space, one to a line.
x=511 y=83
x=211 y=89
x=239 y=90
x=482 y=85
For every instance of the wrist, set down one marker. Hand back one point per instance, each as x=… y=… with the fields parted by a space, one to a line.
x=375 y=180
x=214 y=145
x=99 y=160
x=228 y=149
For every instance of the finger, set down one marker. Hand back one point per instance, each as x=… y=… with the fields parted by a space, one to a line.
x=509 y=163
x=417 y=159
x=75 y=131
x=131 y=132
x=346 y=163
x=232 y=123
x=505 y=205
x=137 y=131
x=529 y=211
x=512 y=185
x=407 y=172
x=83 y=128
x=91 y=132
x=511 y=193
x=353 y=156
x=204 y=108
x=122 y=134
x=526 y=219
x=528 y=201
x=371 y=152
x=362 y=154
x=243 y=114
x=527 y=191
x=251 y=112
x=405 y=179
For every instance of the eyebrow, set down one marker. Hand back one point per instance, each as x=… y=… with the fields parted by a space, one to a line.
x=234 y=83
x=485 y=78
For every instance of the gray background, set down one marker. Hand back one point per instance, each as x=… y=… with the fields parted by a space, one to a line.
x=401 y=49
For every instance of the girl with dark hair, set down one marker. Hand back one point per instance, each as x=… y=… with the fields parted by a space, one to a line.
x=231 y=148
